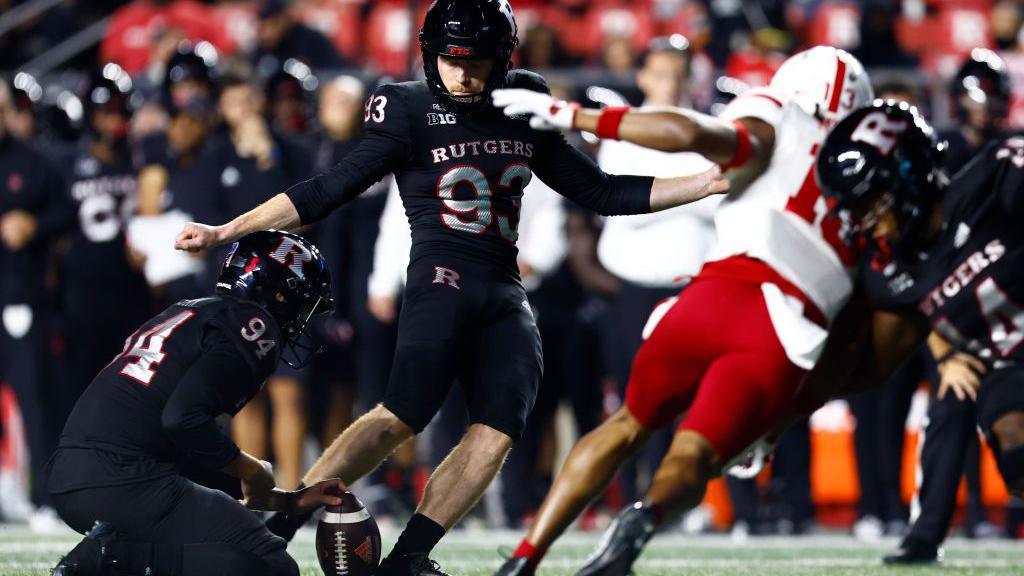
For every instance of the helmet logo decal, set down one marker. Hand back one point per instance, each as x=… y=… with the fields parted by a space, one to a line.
x=292 y=254
x=459 y=51
x=879 y=131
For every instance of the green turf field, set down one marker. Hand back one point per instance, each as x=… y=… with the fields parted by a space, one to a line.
x=475 y=554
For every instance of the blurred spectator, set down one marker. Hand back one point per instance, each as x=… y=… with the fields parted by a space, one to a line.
x=34 y=207
x=171 y=186
x=757 y=57
x=617 y=55
x=245 y=166
x=360 y=356
x=103 y=292
x=291 y=98
x=281 y=37
x=38 y=34
x=878 y=45
x=651 y=254
x=542 y=49
x=136 y=27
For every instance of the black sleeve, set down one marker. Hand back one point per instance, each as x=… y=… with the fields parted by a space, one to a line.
x=220 y=382
x=58 y=214
x=385 y=147
x=572 y=174
x=1009 y=178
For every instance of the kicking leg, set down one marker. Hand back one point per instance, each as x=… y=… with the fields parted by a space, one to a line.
x=361 y=447
x=453 y=489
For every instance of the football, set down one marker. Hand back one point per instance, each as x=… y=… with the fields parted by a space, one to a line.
x=347 y=539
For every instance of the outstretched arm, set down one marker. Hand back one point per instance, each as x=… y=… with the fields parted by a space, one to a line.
x=384 y=148
x=277 y=213
x=729 y=144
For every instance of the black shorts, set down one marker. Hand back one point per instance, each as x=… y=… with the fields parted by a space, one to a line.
x=1001 y=392
x=471 y=322
x=162 y=509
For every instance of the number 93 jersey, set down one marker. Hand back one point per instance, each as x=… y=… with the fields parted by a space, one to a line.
x=121 y=410
x=969 y=283
x=461 y=176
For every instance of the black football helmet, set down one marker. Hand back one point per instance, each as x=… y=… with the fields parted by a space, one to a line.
x=291 y=96
x=110 y=89
x=196 y=63
x=884 y=153
x=983 y=78
x=285 y=274
x=26 y=93
x=468 y=29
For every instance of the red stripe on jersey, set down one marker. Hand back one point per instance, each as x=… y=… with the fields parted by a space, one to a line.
x=837 y=85
x=767 y=97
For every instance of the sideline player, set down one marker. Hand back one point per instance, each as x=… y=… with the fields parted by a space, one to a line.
x=944 y=255
x=159 y=399
x=461 y=167
x=732 y=349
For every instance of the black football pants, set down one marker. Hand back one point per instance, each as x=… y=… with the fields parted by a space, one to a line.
x=178 y=528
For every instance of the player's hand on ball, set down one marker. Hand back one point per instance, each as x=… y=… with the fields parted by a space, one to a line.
x=961 y=373
x=196 y=237
x=545 y=112
x=324 y=493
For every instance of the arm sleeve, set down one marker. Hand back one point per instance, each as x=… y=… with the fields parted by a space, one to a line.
x=221 y=381
x=382 y=151
x=59 y=213
x=572 y=174
x=1010 y=175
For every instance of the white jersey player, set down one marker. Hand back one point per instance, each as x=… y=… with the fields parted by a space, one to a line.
x=732 y=349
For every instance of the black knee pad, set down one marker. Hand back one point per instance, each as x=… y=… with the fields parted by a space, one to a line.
x=1011 y=466
x=220 y=559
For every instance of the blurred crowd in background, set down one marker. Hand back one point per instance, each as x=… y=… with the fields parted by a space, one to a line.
x=121 y=121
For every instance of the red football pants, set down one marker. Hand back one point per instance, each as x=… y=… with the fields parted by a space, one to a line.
x=715 y=353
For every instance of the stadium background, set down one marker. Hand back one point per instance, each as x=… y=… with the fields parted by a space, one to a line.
x=576 y=44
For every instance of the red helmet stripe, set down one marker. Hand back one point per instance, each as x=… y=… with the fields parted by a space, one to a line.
x=837 y=85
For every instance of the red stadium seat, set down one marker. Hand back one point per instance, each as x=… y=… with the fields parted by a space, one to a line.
x=835 y=24
x=959 y=30
x=238 y=20
x=614 y=19
x=133 y=28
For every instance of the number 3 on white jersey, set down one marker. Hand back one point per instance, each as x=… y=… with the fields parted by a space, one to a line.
x=148 y=348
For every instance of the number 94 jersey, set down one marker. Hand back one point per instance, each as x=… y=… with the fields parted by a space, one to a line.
x=121 y=410
x=969 y=283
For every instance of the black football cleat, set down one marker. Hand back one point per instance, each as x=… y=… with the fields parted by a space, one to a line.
x=89 y=557
x=914 y=553
x=409 y=565
x=622 y=543
x=515 y=566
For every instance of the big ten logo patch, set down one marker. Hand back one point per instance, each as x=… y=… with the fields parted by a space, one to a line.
x=435 y=119
x=447 y=276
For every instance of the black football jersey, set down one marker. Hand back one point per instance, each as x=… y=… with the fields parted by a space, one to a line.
x=121 y=410
x=105 y=197
x=970 y=281
x=461 y=176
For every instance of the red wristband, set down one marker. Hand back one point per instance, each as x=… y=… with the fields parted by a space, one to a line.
x=609 y=120
x=742 y=147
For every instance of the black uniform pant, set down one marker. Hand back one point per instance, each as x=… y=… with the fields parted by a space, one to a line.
x=948 y=437
x=177 y=527
x=631 y=309
x=23 y=361
x=878 y=438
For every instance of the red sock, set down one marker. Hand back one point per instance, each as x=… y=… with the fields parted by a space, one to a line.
x=533 y=554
